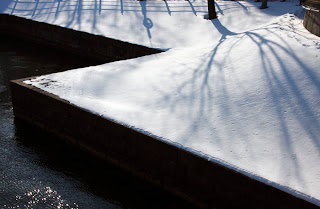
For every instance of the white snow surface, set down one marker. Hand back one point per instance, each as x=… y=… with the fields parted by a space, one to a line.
x=242 y=90
x=157 y=24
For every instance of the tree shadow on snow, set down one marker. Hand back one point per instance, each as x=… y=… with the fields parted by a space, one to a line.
x=201 y=98
x=74 y=9
x=285 y=93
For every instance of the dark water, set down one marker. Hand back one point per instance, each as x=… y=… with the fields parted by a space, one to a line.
x=38 y=171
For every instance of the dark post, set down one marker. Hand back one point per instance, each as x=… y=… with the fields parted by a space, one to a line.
x=264 y=4
x=212 y=10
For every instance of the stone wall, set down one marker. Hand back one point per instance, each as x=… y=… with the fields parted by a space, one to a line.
x=312 y=21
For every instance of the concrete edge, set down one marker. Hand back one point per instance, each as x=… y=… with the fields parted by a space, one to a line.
x=201 y=182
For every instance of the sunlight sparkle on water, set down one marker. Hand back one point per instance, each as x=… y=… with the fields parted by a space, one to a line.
x=41 y=198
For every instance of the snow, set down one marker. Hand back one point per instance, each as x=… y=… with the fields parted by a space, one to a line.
x=242 y=90
x=157 y=24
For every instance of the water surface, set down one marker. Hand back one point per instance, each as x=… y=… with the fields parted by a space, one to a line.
x=39 y=171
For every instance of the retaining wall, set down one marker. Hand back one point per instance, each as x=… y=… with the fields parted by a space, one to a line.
x=199 y=181
x=203 y=183
x=312 y=21
x=82 y=43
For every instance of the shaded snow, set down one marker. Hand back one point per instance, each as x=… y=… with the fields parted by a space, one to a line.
x=242 y=90
x=181 y=22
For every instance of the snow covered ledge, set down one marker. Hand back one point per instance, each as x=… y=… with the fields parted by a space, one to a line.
x=244 y=95
x=202 y=182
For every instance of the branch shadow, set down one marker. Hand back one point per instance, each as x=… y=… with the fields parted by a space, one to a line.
x=197 y=92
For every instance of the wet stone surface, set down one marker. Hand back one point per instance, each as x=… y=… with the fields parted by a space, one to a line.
x=38 y=171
